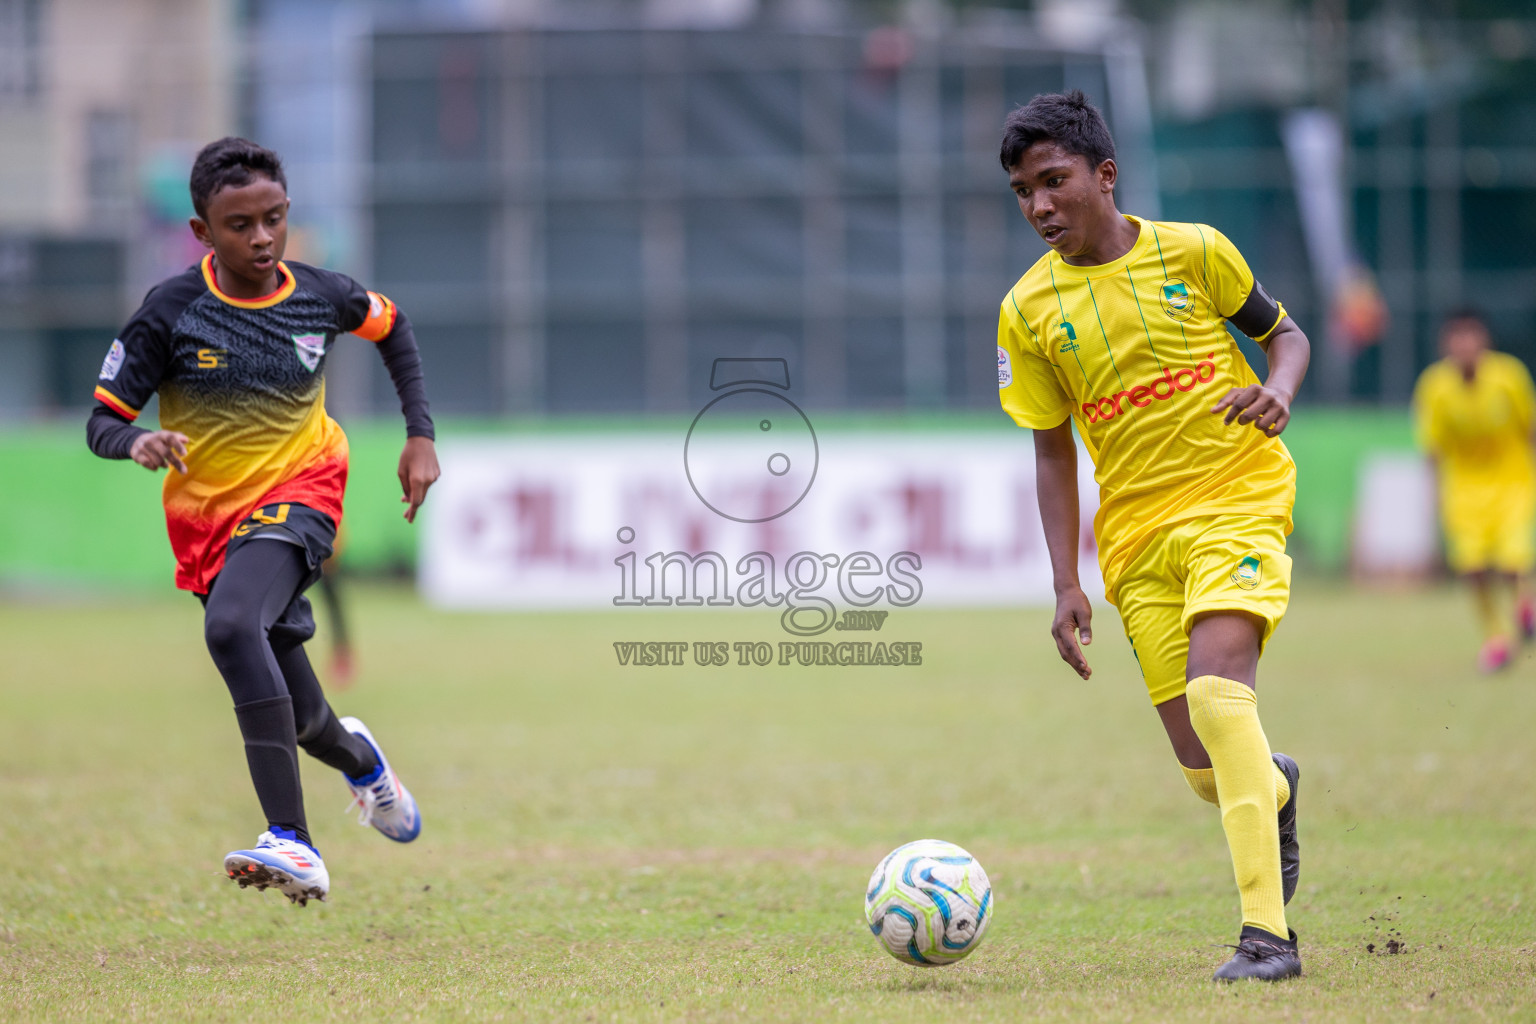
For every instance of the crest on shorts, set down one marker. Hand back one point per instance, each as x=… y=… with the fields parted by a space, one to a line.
x=1177 y=302
x=310 y=348
x=1249 y=572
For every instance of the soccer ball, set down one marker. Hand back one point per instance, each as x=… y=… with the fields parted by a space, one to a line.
x=928 y=903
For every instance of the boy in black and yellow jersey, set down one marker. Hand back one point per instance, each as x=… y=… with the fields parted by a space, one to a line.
x=235 y=347
x=1121 y=327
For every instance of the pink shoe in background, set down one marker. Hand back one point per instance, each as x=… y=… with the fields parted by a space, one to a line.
x=1494 y=656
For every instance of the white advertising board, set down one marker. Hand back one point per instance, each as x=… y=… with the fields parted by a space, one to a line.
x=594 y=521
x=1395 y=529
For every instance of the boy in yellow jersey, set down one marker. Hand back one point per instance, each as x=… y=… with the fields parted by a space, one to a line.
x=1121 y=328
x=1475 y=410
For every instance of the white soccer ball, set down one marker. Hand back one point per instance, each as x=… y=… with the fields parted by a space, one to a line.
x=928 y=903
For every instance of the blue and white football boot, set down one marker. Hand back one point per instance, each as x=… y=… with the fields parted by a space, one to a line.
x=279 y=861
x=380 y=797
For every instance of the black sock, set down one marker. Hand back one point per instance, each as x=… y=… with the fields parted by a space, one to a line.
x=347 y=752
x=271 y=751
x=320 y=733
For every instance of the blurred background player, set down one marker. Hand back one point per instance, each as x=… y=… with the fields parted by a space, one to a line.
x=1474 y=411
x=235 y=347
x=1121 y=327
x=343 y=666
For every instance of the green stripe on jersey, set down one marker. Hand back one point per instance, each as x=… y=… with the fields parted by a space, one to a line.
x=1136 y=300
x=1103 y=333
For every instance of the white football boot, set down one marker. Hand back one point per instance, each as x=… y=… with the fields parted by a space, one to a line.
x=380 y=797
x=282 y=863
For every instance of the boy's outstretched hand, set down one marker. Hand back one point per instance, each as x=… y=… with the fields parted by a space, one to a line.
x=1267 y=408
x=157 y=449
x=418 y=471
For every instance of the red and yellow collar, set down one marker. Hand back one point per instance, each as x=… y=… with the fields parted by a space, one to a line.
x=283 y=290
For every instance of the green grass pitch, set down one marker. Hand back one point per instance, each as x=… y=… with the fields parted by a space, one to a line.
x=606 y=843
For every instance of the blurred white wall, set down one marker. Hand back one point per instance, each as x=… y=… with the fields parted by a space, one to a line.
x=1395 y=531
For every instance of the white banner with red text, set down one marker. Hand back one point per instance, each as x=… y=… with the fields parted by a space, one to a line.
x=870 y=521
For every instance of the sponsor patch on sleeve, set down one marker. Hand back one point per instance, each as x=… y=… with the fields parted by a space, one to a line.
x=114 y=361
x=1004 y=368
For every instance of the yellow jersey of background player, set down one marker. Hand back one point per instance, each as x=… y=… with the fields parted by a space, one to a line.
x=1474 y=410
x=1121 y=328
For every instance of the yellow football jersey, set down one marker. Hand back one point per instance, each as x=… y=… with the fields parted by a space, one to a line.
x=1136 y=351
x=1478 y=430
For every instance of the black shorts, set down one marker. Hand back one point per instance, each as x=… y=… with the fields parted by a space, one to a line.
x=303 y=527
x=292 y=524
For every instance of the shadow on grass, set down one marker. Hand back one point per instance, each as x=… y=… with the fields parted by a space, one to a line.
x=920 y=979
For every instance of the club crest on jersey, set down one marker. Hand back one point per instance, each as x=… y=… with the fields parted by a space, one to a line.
x=310 y=348
x=1177 y=302
x=1004 y=368
x=1249 y=572
x=115 y=356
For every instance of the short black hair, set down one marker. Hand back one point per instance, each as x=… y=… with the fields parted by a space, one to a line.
x=231 y=162
x=1464 y=314
x=1065 y=118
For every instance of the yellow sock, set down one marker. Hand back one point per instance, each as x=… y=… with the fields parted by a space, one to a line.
x=1225 y=715
x=1492 y=621
x=1203 y=782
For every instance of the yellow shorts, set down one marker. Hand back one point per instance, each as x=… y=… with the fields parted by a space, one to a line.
x=1214 y=563
x=1498 y=534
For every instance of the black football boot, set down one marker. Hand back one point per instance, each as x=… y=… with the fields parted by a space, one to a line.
x=1290 y=847
x=1262 y=956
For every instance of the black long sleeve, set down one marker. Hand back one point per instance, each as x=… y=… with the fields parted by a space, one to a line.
x=403 y=361
x=110 y=435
